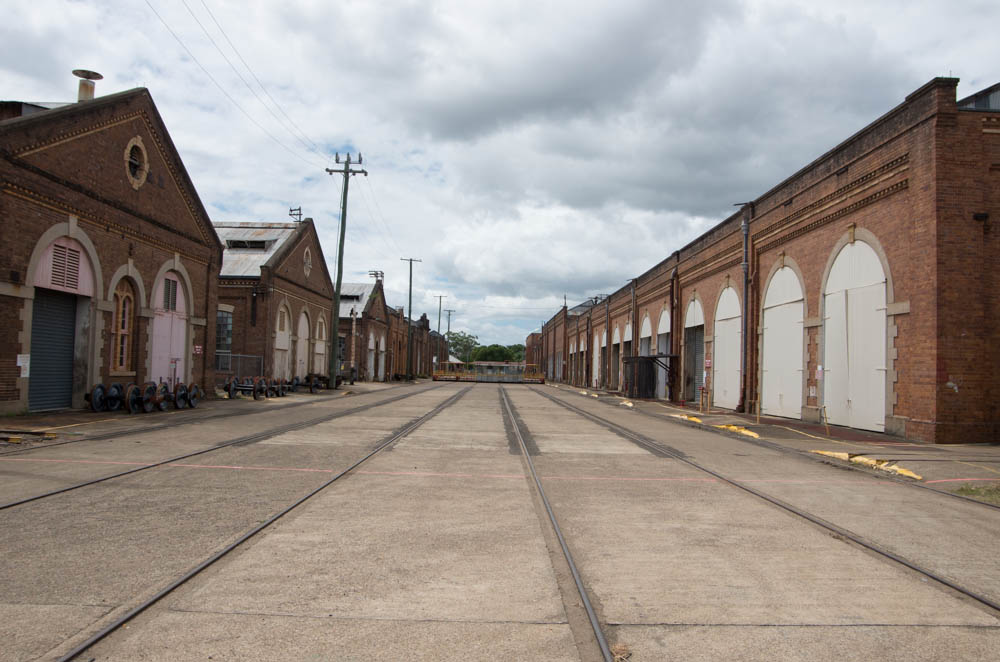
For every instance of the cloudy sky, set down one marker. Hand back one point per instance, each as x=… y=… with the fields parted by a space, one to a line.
x=523 y=150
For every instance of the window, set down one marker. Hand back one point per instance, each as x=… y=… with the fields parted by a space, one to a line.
x=124 y=301
x=223 y=331
x=251 y=244
x=135 y=161
x=169 y=294
x=320 y=330
x=282 y=320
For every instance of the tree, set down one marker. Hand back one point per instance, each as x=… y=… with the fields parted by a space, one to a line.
x=516 y=352
x=462 y=345
x=492 y=353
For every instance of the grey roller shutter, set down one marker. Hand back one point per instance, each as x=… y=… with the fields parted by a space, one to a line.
x=53 y=332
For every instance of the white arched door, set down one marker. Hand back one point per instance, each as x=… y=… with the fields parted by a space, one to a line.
x=302 y=346
x=370 y=374
x=781 y=359
x=381 y=359
x=282 y=344
x=168 y=357
x=320 y=366
x=854 y=338
x=726 y=360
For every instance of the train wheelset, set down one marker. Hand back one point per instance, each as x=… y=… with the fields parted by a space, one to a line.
x=146 y=398
x=268 y=387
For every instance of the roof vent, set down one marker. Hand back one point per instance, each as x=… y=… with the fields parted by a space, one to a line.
x=87 y=84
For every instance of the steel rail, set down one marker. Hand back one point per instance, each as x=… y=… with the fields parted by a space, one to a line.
x=250 y=438
x=172 y=586
x=763 y=443
x=171 y=424
x=829 y=526
x=591 y=615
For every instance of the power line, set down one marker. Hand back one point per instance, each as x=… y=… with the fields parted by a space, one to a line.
x=223 y=90
x=379 y=209
x=312 y=146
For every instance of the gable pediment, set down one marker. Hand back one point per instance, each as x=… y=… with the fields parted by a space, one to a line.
x=115 y=150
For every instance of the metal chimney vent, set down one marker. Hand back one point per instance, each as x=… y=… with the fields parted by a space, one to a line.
x=87 y=85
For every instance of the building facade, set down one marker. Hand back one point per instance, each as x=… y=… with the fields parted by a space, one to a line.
x=860 y=290
x=109 y=257
x=275 y=300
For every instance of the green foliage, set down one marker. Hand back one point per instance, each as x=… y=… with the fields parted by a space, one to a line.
x=516 y=352
x=462 y=345
x=492 y=353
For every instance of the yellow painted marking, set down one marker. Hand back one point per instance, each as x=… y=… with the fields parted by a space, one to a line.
x=882 y=465
x=626 y=403
x=741 y=430
x=977 y=466
x=687 y=418
x=594 y=395
x=812 y=436
x=13 y=440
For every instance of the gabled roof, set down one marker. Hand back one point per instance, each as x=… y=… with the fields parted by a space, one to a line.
x=240 y=257
x=354 y=296
x=43 y=131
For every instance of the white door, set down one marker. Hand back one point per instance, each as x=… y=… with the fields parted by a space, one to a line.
x=381 y=359
x=282 y=343
x=854 y=338
x=370 y=373
x=662 y=347
x=595 y=360
x=168 y=355
x=726 y=362
x=781 y=360
x=302 y=346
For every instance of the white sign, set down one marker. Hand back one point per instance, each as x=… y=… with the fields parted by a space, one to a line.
x=24 y=362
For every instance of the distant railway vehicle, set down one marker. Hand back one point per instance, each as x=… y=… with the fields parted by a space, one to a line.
x=489 y=371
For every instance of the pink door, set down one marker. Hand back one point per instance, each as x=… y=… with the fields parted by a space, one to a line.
x=169 y=354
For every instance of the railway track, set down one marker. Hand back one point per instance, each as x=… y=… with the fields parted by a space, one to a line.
x=243 y=439
x=859 y=540
x=785 y=450
x=173 y=585
x=185 y=420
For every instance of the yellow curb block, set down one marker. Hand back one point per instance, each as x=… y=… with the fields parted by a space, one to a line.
x=626 y=403
x=741 y=430
x=594 y=395
x=687 y=418
x=13 y=440
x=881 y=465
x=584 y=393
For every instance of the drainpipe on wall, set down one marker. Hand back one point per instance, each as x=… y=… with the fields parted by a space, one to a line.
x=607 y=333
x=747 y=215
x=676 y=321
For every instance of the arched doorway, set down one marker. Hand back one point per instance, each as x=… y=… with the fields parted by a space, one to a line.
x=726 y=351
x=64 y=282
x=381 y=359
x=694 y=350
x=781 y=351
x=319 y=349
x=662 y=347
x=854 y=339
x=168 y=357
x=282 y=343
x=302 y=346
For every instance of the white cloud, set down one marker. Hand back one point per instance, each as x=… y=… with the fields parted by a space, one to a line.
x=524 y=151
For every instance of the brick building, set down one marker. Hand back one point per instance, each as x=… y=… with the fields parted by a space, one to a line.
x=869 y=292
x=379 y=348
x=364 y=319
x=108 y=258
x=275 y=301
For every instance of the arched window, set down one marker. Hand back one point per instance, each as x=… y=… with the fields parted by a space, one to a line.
x=124 y=327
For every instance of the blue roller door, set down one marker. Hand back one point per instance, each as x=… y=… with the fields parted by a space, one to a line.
x=53 y=332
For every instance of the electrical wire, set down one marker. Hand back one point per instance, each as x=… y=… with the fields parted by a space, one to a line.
x=301 y=135
x=227 y=95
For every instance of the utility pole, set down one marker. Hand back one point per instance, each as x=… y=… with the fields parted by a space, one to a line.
x=347 y=173
x=449 y=311
x=409 y=327
x=439 y=298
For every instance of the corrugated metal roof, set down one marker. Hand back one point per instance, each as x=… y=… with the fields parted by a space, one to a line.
x=248 y=261
x=354 y=295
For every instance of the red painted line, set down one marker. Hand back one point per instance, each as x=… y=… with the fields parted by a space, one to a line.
x=241 y=467
x=430 y=474
x=959 y=480
x=629 y=478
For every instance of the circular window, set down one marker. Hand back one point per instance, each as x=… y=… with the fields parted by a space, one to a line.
x=136 y=162
x=307 y=262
